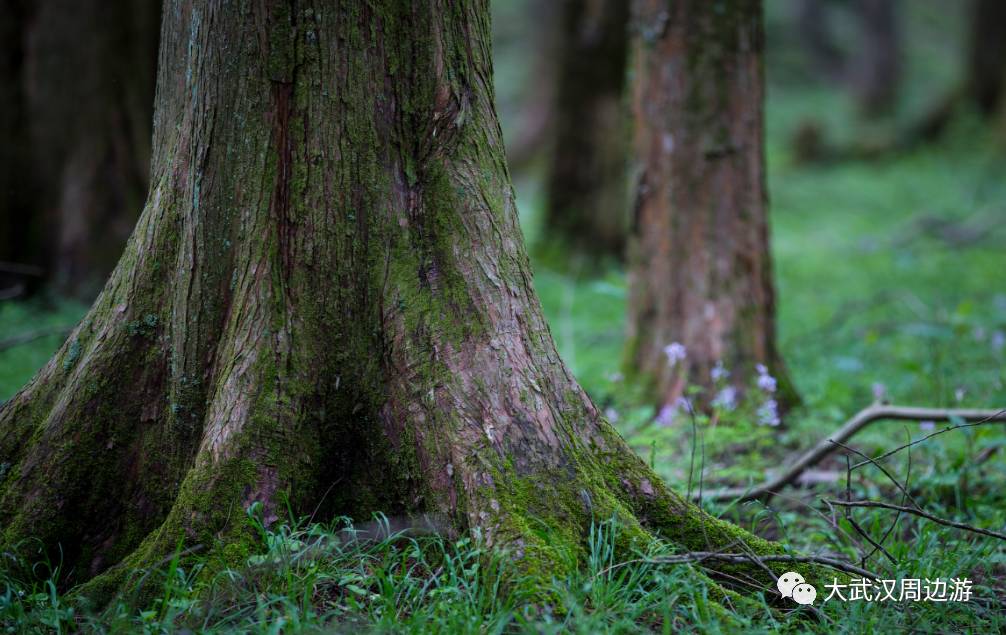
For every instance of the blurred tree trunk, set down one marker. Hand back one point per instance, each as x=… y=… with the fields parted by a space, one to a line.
x=21 y=228
x=878 y=65
x=80 y=87
x=987 y=59
x=873 y=70
x=700 y=269
x=586 y=188
x=325 y=303
x=533 y=135
x=813 y=23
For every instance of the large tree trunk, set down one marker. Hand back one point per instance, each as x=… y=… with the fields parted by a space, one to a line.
x=326 y=297
x=700 y=266
x=79 y=89
x=586 y=188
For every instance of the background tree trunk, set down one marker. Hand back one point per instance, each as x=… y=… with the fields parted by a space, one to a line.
x=21 y=229
x=326 y=300
x=532 y=136
x=701 y=272
x=79 y=83
x=813 y=20
x=987 y=59
x=587 y=204
x=878 y=66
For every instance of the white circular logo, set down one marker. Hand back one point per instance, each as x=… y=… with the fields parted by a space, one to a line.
x=792 y=585
x=787 y=582
x=804 y=594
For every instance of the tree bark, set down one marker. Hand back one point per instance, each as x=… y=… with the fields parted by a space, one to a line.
x=325 y=301
x=700 y=269
x=587 y=201
x=80 y=78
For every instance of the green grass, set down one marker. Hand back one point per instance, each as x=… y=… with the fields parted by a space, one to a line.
x=871 y=291
x=866 y=297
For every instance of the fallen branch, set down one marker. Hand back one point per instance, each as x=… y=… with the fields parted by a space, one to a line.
x=31 y=336
x=19 y=269
x=923 y=514
x=740 y=558
x=828 y=445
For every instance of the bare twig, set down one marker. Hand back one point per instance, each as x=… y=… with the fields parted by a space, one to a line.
x=890 y=477
x=897 y=517
x=992 y=417
x=863 y=418
x=923 y=514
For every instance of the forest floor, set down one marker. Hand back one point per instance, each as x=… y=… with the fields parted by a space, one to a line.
x=889 y=277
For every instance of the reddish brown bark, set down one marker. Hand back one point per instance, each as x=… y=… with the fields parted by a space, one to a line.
x=701 y=273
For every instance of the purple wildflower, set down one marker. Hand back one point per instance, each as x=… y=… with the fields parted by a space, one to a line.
x=726 y=398
x=768 y=413
x=675 y=352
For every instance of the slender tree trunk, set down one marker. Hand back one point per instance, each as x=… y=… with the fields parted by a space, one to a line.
x=813 y=20
x=878 y=66
x=80 y=76
x=987 y=59
x=701 y=273
x=532 y=135
x=587 y=205
x=21 y=229
x=326 y=300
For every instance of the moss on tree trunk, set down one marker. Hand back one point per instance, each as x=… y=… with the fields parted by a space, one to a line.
x=326 y=292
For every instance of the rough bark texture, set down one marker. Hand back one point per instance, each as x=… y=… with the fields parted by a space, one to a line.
x=587 y=205
x=326 y=299
x=79 y=86
x=700 y=270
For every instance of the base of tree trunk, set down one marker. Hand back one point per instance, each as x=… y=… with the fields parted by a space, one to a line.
x=325 y=307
